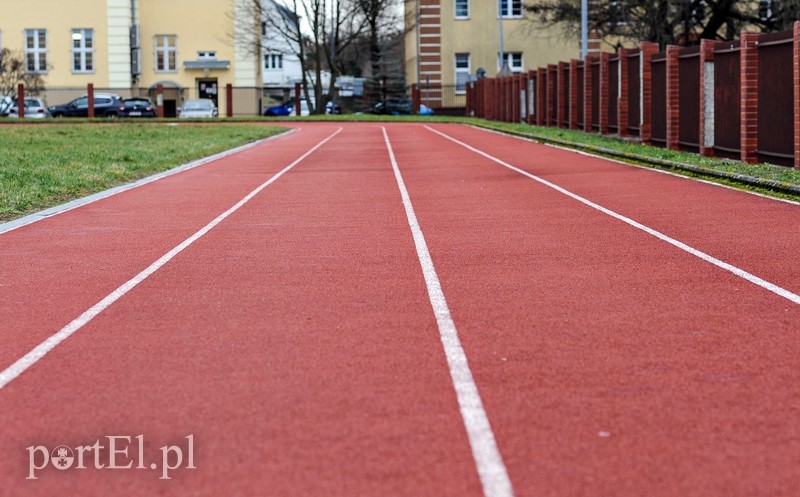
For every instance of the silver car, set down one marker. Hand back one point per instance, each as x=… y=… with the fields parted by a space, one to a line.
x=34 y=108
x=201 y=107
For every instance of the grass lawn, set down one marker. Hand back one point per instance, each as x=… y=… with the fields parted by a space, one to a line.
x=42 y=166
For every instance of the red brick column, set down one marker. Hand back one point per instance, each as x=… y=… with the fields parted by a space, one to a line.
x=21 y=100
x=160 y=101
x=573 y=94
x=749 y=96
x=587 y=93
x=648 y=49
x=552 y=83
x=541 y=97
x=706 y=120
x=622 y=100
x=563 y=88
x=229 y=100
x=604 y=91
x=532 y=100
x=673 y=97
x=796 y=69
x=90 y=101
x=415 y=99
x=297 y=109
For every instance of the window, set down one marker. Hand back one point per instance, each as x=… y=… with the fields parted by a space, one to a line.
x=273 y=61
x=513 y=61
x=36 y=50
x=166 y=53
x=208 y=55
x=462 y=72
x=82 y=50
x=511 y=8
x=462 y=9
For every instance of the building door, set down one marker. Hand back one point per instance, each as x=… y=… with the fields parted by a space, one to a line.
x=207 y=88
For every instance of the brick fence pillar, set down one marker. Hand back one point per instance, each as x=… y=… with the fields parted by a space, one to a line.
x=90 y=100
x=21 y=100
x=562 y=89
x=297 y=104
x=160 y=100
x=532 y=97
x=749 y=97
x=706 y=98
x=622 y=91
x=796 y=70
x=605 y=79
x=573 y=94
x=587 y=93
x=541 y=97
x=229 y=100
x=673 y=97
x=552 y=95
x=647 y=50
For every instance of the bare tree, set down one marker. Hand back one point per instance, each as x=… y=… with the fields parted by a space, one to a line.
x=680 y=22
x=13 y=71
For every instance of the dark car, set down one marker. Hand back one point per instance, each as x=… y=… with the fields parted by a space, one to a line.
x=105 y=105
x=394 y=107
x=137 y=107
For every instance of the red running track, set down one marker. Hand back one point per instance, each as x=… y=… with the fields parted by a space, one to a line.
x=295 y=340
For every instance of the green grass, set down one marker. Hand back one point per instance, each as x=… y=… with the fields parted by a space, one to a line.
x=764 y=171
x=42 y=166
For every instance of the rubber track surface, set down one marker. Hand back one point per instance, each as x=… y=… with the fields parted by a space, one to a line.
x=296 y=341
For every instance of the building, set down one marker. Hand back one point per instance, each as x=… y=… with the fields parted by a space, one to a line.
x=450 y=42
x=131 y=46
x=282 y=68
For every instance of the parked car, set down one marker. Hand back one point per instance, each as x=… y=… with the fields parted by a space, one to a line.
x=105 y=105
x=5 y=105
x=281 y=109
x=34 y=108
x=394 y=107
x=201 y=107
x=332 y=108
x=287 y=109
x=137 y=107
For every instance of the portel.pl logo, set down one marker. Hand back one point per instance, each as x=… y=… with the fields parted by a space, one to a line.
x=110 y=452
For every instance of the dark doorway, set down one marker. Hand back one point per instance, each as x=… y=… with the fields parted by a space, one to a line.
x=207 y=88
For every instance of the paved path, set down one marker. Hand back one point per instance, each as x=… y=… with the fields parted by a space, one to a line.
x=405 y=310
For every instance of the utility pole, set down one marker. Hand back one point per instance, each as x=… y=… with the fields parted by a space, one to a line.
x=584 y=28
x=503 y=62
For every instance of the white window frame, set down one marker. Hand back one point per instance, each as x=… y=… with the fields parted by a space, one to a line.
x=509 y=59
x=455 y=9
x=269 y=61
x=467 y=71
x=38 y=53
x=507 y=13
x=162 y=46
x=82 y=51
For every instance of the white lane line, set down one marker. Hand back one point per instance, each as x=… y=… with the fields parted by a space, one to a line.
x=80 y=202
x=32 y=357
x=793 y=297
x=491 y=469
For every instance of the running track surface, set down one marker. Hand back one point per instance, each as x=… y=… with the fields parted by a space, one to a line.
x=297 y=342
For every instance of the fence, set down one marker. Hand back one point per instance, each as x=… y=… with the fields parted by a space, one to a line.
x=738 y=99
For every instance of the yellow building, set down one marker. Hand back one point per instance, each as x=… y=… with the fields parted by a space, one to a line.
x=130 y=46
x=449 y=41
